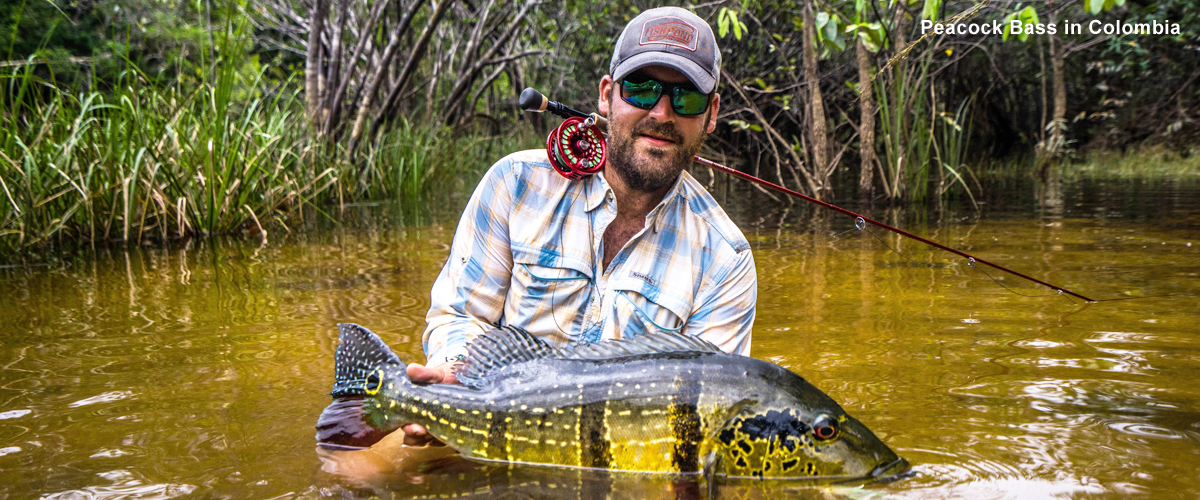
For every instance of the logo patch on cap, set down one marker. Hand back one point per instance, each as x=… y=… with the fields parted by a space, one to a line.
x=669 y=31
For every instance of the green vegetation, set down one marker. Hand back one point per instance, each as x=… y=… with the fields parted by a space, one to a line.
x=165 y=119
x=1157 y=162
x=153 y=162
x=142 y=159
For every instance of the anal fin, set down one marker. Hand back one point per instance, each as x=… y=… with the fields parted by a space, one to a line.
x=341 y=425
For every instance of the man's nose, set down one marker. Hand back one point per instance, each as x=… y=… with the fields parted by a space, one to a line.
x=662 y=110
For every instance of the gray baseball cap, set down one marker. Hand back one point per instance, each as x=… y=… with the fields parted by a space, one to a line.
x=669 y=36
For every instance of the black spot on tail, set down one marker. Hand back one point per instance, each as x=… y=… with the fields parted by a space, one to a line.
x=726 y=436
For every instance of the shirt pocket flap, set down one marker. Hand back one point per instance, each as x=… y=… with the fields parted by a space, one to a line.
x=546 y=269
x=651 y=302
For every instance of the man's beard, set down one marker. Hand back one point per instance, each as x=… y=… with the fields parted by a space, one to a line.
x=645 y=178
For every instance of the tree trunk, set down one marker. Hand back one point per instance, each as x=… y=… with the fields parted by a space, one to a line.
x=333 y=102
x=472 y=68
x=816 y=104
x=389 y=52
x=312 y=68
x=1056 y=143
x=866 y=129
x=414 y=57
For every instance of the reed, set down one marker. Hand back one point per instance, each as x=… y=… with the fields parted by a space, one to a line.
x=152 y=162
x=925 y=147
x=144 y=160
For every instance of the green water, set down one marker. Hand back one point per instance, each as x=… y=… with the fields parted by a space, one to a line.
x=199 y=370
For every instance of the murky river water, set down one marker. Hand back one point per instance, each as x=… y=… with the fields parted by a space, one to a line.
x=199 y=370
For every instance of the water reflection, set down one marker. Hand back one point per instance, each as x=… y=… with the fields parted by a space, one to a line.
x=392 y=470
x=199 y=369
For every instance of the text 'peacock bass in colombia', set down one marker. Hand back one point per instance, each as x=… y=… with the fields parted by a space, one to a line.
x=659 y=403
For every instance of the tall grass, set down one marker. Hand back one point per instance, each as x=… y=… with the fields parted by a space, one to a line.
x=950 y=144
x=145 y=159
x=410 y=160
x=920 y=143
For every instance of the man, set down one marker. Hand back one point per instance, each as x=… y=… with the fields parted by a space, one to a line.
x=639 y=248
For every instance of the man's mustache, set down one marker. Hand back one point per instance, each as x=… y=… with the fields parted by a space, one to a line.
x=659 y=129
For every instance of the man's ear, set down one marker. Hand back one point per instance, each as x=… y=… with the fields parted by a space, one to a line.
x=606 y=87
x=713 y=110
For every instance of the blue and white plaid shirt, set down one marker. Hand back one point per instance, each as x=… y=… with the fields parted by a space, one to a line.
x=527 y=253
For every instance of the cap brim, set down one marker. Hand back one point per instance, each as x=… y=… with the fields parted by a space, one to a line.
x=699 y=77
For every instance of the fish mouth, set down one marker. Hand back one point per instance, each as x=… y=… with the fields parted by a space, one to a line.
x=892 y=471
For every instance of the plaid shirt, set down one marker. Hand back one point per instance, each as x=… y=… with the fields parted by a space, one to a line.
x=527 y=253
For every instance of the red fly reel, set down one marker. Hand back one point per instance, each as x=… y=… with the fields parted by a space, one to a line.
x=576 y=148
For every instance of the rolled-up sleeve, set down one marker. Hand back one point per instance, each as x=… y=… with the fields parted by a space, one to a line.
x=724 y=312
x=468 y=296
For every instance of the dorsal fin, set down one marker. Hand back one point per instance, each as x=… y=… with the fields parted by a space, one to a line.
x=497 y=348
x=510 y=345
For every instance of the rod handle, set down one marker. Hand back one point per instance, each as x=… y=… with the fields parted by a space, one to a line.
x=532 y=100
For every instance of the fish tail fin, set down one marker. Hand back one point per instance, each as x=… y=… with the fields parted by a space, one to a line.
x=361 y=363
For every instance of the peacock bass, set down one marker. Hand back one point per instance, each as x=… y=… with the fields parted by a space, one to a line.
x=663 y=403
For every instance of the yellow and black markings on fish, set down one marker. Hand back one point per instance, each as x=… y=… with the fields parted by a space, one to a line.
x=653 y=403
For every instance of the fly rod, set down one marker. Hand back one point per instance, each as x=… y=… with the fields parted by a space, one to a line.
x=576 y=149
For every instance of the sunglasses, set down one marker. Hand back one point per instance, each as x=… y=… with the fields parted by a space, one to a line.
x=643 y=92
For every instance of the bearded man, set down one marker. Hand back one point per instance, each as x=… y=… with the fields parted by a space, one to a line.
x=638 y=248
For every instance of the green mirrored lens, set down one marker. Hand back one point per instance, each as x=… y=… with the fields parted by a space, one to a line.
x=685 y=99
x=689 y=102
x=642 y=95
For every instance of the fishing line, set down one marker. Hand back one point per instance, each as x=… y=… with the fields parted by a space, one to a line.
x=1149 y=297
x=591 y=238
x=971 y=264
x=826 y=238
x=862 y=227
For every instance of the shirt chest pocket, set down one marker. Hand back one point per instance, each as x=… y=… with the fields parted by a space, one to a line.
x=539 y=293
x=642 y=308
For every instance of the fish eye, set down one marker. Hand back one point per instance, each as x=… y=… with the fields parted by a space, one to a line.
x=825 y=428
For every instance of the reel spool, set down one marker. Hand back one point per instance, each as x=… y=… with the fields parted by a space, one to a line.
x=577 y=148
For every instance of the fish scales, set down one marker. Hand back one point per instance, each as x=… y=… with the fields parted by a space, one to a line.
x=626 y=422
x=676 y=406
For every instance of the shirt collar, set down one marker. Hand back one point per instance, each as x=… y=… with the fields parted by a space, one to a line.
x=658 y=215
x=599 y=190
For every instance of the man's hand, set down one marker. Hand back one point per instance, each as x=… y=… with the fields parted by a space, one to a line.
x=415 y=434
